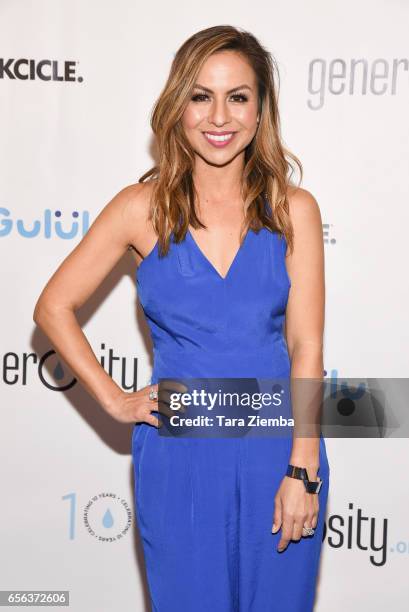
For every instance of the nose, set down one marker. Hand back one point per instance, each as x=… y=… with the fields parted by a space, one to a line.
x=219 y=112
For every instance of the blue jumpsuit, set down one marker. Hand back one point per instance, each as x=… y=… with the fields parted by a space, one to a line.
x=205 y=506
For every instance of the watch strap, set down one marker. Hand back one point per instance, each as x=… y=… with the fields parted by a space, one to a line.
x=301 y=473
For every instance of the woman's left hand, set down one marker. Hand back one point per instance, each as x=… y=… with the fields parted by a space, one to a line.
x=294 y=509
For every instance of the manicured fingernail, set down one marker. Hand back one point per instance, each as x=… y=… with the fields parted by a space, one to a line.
x=280 y=549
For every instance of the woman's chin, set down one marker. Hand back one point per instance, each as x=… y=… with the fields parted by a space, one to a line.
x=218 y=158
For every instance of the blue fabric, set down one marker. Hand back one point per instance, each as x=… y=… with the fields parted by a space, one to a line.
x=205 y=506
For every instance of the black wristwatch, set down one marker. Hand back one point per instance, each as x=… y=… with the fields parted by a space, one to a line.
x=311 y=486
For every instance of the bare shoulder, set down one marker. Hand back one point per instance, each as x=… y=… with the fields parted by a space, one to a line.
x=305 y=216
x=136 y=216
x=134 y=202
x=303 y=206
x=138 y=197
x=126 y=206
x=131 y=206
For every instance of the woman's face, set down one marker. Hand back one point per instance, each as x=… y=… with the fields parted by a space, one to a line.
x=220 y=119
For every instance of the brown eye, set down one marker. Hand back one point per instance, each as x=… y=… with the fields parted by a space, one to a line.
x=199 y=97
x=240 y=97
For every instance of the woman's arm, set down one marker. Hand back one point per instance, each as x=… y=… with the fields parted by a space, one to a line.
x=305 y=316
x=294 y=508
x=121 y=222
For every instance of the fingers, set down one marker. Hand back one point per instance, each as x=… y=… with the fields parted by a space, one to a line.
x=292 y=523
x=311 y=519
x=286 y=531
x=153 y=420
x=277 y=514
x=168 y=400
x=316 y=511
x=164 y=390
x=299 y=523
x=168 y=404
x=148 y=405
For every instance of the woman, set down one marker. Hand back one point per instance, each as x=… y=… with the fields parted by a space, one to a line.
x=209 y=227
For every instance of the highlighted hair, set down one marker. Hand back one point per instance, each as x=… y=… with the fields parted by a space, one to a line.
x=268 y=164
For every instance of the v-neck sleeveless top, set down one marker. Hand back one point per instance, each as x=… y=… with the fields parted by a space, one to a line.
x=206 y=325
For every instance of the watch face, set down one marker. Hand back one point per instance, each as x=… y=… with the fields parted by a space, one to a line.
x=313 y=486
x=317 y=486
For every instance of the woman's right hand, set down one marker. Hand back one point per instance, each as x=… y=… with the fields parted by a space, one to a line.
x=136 y=407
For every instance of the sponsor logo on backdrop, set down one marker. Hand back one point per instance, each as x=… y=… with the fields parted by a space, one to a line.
x=24 y=69
x=56 y=377
x=363 y=534
x=355 y=77
x=106 y=516
x=51 y=224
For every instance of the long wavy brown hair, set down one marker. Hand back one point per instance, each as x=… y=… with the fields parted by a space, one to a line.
x=267 y=169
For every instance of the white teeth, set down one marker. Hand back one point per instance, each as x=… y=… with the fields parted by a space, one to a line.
x=218 y=138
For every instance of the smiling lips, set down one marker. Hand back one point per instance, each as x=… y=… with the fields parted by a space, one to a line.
x=219 y=139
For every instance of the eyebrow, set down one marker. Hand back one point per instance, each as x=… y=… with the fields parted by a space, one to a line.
x=244 y=86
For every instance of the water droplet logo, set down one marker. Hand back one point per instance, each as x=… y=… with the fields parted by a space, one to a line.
x=107 y=523
x=54 y=376
x=108 y=519
x=58 y=371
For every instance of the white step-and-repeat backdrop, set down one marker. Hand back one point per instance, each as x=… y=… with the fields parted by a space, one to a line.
x=77 y=84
